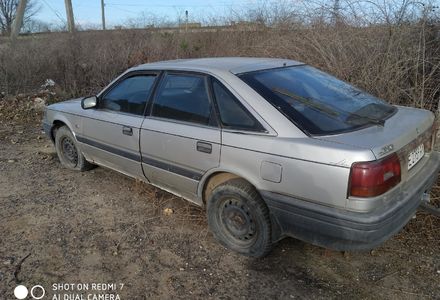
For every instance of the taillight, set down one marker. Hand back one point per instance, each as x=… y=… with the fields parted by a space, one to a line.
x=373 y=178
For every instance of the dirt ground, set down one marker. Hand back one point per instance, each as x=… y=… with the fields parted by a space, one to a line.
x=59 y=226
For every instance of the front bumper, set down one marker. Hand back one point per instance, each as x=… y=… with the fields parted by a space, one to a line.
x=47 y=128
x=345 y=230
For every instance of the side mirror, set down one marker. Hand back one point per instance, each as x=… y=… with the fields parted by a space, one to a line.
x=89 y=102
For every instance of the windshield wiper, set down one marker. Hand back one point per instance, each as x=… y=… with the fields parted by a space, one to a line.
x=380 y=122
x=308 y=102
x=374 y=121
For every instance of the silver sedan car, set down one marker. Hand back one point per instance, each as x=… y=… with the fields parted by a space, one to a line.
x=271 y=147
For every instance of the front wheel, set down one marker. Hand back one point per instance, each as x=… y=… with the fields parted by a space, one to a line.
x=239 y=218
x=68 y=151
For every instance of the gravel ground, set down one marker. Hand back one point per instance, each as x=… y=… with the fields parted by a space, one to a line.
x=59 y=226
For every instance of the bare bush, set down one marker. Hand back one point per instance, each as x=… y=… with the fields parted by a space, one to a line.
x=8 y=10
x=397 y=57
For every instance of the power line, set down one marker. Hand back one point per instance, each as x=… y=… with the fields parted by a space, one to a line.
x=177 y=5
x=54 y=11
x=121 y=9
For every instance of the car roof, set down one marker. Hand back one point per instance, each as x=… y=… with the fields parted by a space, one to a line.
x=235 y=65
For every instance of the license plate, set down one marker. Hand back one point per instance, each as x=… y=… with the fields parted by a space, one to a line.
x=415 y=155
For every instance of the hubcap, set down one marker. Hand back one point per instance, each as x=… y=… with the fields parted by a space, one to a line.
x=237 y=219
x=69 y=150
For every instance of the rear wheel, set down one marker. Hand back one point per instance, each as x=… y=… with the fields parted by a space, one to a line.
x=68 y=151
x=239 y=218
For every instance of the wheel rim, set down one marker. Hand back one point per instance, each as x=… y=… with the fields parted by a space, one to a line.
x=68 y=149
x=238 y=221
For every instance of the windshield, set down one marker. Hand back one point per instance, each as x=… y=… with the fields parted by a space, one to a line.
x=316 y=102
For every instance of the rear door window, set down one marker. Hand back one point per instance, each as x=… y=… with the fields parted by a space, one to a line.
x=183 y=97
x=233 y=114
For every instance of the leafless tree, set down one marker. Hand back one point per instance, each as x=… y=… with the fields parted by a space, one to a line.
x=8 y=10
x=35 y=25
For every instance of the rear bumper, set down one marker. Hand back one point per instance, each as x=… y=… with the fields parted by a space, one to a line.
x=344 y=230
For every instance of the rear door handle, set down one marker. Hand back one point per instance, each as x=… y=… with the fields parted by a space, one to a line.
x=204 y=147
x=127 y=130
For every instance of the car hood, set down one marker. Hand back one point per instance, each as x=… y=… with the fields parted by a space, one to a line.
x=402 y=128
x=72 y=105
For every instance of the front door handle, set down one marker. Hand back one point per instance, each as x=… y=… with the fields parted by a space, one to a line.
x=127 y=130
x=204 y=147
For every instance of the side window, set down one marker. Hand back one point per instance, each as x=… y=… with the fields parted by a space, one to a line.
x=183 y=98
x=129 y=95
x=232 y=113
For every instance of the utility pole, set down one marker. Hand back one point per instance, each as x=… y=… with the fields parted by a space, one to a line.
x=69 y=13
x=186 y=21
x=18 y=21
x=336 y=12
x=103 y=14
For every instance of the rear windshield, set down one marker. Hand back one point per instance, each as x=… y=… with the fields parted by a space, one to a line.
x=316 y=102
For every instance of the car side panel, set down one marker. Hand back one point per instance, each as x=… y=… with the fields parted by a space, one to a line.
x=170 y=158
x=103 y=142
x=72 y=121
x=256 y=157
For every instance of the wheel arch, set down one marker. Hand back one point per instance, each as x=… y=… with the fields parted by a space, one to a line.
x=58 y=121
x=214 y=178
x=218 y=176
x=55 y=125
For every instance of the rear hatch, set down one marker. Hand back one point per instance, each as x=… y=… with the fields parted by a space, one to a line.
x=329 y=109
x=408 y=133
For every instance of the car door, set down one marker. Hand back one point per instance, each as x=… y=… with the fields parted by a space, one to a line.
x=180 y=139
x=110 y=134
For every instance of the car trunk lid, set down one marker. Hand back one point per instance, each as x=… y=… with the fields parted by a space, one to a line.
x=403 y=132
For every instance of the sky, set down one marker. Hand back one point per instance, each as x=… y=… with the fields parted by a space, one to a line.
x=88 y=12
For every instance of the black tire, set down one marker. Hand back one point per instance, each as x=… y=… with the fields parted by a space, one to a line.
x=239 y=218
x=68 y=151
